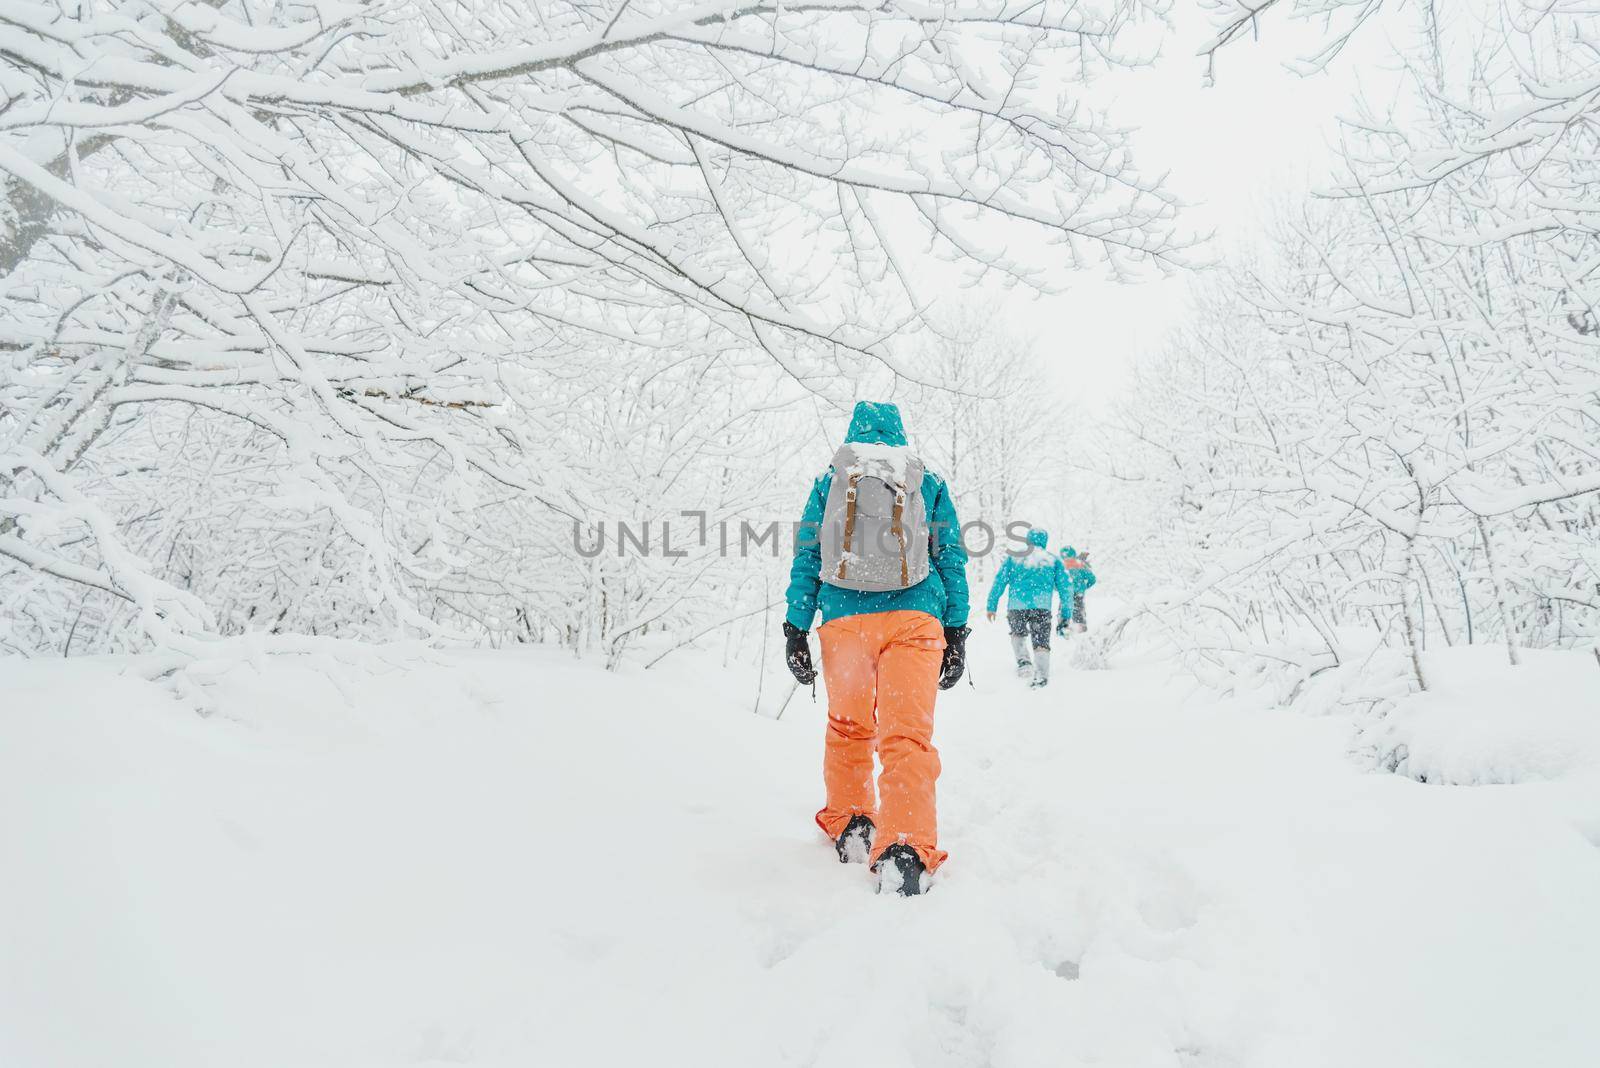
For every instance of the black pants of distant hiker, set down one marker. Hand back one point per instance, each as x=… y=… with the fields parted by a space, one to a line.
x=1077 y=612
x=1031 y=623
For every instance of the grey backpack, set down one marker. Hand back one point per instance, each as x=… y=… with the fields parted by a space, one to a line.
x=875 y=525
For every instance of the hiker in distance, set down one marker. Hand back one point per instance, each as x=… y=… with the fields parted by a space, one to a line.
x=1082 y=576
x=1032 y=579
x=878 y=552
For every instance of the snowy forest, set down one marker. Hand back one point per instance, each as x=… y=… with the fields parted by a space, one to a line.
x=331 y=321
x=327 y=321
x=495 y=346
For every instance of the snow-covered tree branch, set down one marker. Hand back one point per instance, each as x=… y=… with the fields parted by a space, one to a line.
x=274 y=265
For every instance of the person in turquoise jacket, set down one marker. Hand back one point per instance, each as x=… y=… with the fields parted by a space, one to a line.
x=1082 y=576
x=885 y=655
x=1032 y=579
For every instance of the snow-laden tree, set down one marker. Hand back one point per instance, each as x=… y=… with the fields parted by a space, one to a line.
x=993 y=427
x=1383 y=434
x=687 y=533
x=267 y=267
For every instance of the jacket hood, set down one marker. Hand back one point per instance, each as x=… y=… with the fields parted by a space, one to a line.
x=1038 y=537
x=875 y=423
x=1070 y=553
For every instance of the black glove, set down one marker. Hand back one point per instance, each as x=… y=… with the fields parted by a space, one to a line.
x=1063 y=626
x=955 y=656
x=798 y=654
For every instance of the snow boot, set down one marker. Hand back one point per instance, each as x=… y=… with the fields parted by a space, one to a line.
x=855 y=844
x=1041 y=668
x=1019 y=649
x=900 y=871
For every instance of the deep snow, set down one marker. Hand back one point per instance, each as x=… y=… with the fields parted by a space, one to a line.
x=515 y=859
x=1482 y=722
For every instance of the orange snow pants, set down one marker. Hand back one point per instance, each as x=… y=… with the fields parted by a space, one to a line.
x=882 y=673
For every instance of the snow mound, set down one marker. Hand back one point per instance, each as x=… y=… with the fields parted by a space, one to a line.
x=1483 y=721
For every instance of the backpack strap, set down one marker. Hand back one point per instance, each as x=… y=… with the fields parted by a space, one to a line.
x=849 y=519
x=897 y=524
x=915 y=470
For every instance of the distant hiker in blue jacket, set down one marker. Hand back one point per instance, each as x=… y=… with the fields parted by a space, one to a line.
x=1082 y=577
x=1032 y=579
x=878 y=553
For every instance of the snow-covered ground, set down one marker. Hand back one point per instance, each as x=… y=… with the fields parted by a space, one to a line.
x=515 y=859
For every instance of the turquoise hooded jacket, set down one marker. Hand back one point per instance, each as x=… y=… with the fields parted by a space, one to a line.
x=1032 y=579
x=943 y=594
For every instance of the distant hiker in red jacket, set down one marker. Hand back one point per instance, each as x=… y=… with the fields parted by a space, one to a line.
x=1082 y=578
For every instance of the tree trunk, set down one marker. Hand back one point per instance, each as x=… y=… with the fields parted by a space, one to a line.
x=1499 y=594
x=1410 y=615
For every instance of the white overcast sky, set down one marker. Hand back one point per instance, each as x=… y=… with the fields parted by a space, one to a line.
x=1261 y=134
